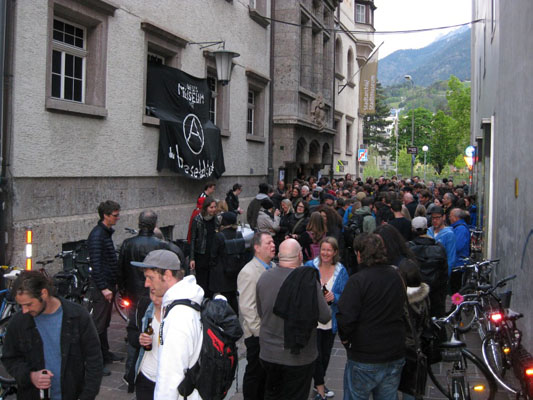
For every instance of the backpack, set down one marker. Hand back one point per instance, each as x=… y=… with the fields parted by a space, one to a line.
x=234 y=255
x=213 y=373
x=355 y=224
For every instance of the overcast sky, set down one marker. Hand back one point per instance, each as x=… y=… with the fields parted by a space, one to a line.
x=416 y=14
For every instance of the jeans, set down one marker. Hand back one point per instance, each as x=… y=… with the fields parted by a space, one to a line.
x=381 y=380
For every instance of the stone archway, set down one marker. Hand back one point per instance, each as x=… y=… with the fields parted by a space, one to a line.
x=326 y=154
x=302 y=153
x=315 y=154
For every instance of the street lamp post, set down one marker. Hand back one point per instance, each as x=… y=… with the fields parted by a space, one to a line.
x=425 y=150
x=410 y=79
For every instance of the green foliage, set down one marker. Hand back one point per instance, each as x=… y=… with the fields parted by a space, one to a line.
x=375 y=125
x=404 y=163
x=445 y=129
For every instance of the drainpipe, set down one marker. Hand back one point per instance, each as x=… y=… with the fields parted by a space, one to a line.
x=271 y=99
x=334 y=92
x=6 y=73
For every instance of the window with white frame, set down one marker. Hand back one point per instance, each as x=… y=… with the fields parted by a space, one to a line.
x=250 y=120
x=68 y=61
x=349 y=138
x=212 y=82
x=360 y=13
x=256 y=105
x=77 y=56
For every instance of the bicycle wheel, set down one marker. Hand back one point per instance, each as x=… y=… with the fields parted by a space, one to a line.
x=496 y=360
x=5 y=378
x=121 y=306
x=461 y=373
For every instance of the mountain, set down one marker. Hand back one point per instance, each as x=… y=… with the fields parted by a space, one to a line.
x=449 y=55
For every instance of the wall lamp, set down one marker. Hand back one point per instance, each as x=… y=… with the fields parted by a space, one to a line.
x=223 y=59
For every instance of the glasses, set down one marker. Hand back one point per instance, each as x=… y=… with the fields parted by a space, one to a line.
x=115 y=215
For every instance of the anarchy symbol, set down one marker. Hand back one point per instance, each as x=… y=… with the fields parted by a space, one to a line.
x=193 y=133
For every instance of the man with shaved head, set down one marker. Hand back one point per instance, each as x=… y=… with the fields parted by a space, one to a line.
x=288 y=360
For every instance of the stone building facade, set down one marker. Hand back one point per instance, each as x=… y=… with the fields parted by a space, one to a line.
x=303 y=98
x=501 y=96
x=75 y=131
x=354 y=42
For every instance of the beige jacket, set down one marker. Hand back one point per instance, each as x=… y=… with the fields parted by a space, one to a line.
x=246 y=285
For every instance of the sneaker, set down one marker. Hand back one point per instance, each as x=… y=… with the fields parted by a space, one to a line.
x=106 y=371
x=329 y=393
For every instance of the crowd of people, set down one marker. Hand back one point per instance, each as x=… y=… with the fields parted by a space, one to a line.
x=341 y=256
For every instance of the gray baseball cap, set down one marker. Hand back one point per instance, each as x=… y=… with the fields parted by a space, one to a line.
x=162 y=259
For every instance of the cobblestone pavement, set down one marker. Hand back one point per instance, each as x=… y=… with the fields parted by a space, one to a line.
x=113 y=388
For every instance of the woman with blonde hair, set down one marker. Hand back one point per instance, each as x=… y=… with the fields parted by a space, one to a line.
x=310 y=239
x=333 y=278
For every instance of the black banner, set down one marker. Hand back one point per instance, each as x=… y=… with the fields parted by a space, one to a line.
x=189 y=143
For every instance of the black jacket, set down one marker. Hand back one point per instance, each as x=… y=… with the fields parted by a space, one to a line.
x=233 y=202
x=219 y=279
x=81 y=358
x=432 y=259
x=371 y=315
x=199 y=235
x=297 y=304
x=136 y=249
x=103 y=257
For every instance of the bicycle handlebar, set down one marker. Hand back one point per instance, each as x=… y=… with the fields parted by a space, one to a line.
x=446 y=320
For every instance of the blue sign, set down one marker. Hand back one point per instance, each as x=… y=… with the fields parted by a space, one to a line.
x=470 y=151
x=362 y=155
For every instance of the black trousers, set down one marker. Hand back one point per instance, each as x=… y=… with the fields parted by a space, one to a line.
x=437 y=301
x=102 y=318
x=285 y=382
x=202 y=272
x=325 y=339
x=144 y=388
x=253 y=384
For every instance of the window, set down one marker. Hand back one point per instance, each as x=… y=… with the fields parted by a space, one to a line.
x=212 y=83
x=360 y=13
x=76 y=63
x=338 y=58
x=257 y=10
x=256 y=101
x=68 y=61
x=164 y=48
x=349 y=139
x=351 y=71
x=250 y=120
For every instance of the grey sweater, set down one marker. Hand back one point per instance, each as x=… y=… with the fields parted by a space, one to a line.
x=271 y=339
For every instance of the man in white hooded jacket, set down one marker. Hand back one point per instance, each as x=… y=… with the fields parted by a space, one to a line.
x=181 y=329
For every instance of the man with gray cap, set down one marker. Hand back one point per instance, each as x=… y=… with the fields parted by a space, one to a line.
x=433 y=263
x=180 y=334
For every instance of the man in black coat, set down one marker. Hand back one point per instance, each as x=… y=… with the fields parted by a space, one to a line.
x=51 y=344
x=104 y=274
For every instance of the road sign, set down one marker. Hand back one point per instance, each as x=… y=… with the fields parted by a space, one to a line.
x=362 y=155
x=412 y=150
x=470 y=151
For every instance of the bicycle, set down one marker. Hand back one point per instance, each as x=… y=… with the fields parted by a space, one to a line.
x=464 y=371
x=8 y=308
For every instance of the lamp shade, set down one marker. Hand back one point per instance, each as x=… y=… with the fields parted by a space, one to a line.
x=223 y=60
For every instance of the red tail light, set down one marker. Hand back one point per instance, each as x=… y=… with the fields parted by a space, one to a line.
x=125 y=303
x=529 y=372
x=496 y=317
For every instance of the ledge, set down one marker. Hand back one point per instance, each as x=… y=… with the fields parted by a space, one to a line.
x=150 y=121
x=70 y=107
x=339 y=76
x=163 y=34
x=349 y=153
x=255 y=138
x=105 y=6
x=256 y=76
x=257 y=17
x=351 y=84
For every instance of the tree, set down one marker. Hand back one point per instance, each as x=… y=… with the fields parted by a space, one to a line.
x=423 y=119
x=375 y=126
x=458 y=96
x=443 y=144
